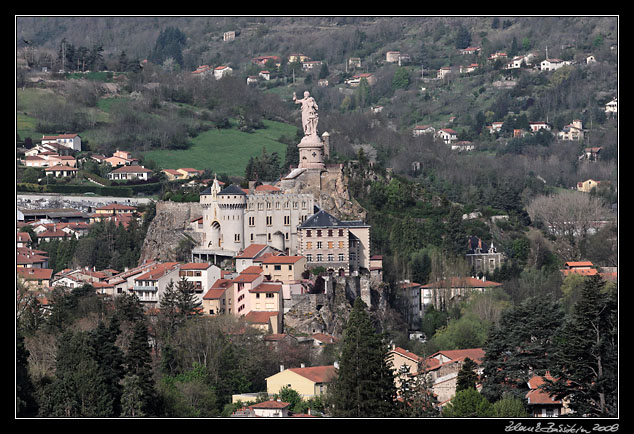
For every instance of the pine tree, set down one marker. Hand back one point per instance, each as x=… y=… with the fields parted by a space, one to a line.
x=585 y=368
x=364 y=386
x=466 y=376
x=519 y=346
x=138 y=361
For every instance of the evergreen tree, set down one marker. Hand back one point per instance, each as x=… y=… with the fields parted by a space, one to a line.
x=468 y=403
x=585 y=368
x=509 y=406
x=79 y=388
x=520 y=345
x=364 y=386
x=466 y=376
x=138 y=361
x=109 y=358
x=25 y=403
x=132 y=397
x=416 y=395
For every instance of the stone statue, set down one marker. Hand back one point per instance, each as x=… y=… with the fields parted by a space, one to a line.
x=310 y=118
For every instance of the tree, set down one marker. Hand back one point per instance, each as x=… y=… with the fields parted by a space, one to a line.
x=585 y=358
x=364 y=386
x=400 y=79
x=138 y=361
x=509 y=406
x=520 y=345
x=467 y=376
x=468 y=403
x=416 y=395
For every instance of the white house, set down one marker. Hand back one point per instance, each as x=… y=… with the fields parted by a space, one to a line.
x=447 y=135
x=611 y=108
x=130 y=172
x=221 y=71
x=72 y=141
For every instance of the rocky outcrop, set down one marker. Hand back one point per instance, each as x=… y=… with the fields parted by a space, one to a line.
x=328 y=312
x=170 y=226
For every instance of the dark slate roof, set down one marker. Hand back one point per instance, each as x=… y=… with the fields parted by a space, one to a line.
x=232 y=189
x=322 y=219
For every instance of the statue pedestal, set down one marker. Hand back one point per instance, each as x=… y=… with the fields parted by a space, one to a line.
x=311 y=153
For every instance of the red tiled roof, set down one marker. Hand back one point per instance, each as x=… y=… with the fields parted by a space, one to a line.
x=316 y=374
x=281 y=259
x=267 y=287
x=270 y=404
x=251 y=251
x=256 y=317
x=35 y=273
x=196 y=266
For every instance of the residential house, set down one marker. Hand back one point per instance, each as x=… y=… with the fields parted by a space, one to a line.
x=72 y=141
x=451 y=290
x=271 y=408
x=573 y=131
x=341 y=247
x=307 y=381
x=538 y=125
x=286 y=269
x=443 y=72
x=35 y=278
x=229 y=36
x=551 y=64
x=542 y=404
x=441 y=368
x=23 y=239
x=248 y=256
x=265 y=75
x=587 y=185
x=221 y=71
x=201 y=274
x=468 y=68
x=182 y=173
x=61 y=171
x=611 y=108
x=392 y=56
x=591 y=154
x=265 y=307
x=355 y=80
x=150 y=286
x=125 y=173
x=202 y=71
x=215 y=299
x=495 y=127
x=263 y=60
x=423 y=129
x=124 y=282
x=447 y=135
x=469 y=50
x=515 y=63
x=482 y=258
x=583 y=268
x=122 y=158
x=311 y=64
x=497 y=55
x=29 y=258
x=297 y=57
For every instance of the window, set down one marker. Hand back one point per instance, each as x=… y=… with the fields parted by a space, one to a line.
x=269 y=295
x=319 y=232
x=308 y=233
x=320 y=257
x=341 y=244
x=277 y=267
x=287 y=220
x=236 y=237
x=309 y=258
x=341 y=232
x=309 y=245
x=251 y=221
x=319 y=244
x=269 y=220
x=341 y=257
x=331 y=257
x=330 y=232
x=331 y=244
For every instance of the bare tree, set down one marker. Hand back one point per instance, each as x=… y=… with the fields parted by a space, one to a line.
x=570 y=217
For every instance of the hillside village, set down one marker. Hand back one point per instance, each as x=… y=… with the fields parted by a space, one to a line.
x=286 y=259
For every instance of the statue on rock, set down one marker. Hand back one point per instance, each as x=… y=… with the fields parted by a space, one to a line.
x=310 y=118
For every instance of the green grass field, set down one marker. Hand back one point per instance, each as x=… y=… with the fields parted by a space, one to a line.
x=225 y=151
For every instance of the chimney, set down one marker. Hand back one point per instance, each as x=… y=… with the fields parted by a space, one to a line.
x=336 y=365
x=302 y=365
x=281 y=368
